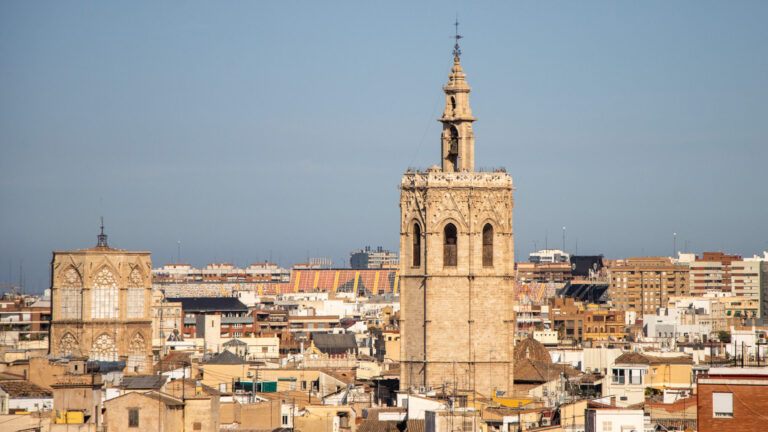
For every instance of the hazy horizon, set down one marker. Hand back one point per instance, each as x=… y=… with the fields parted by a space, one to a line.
x=247 y=130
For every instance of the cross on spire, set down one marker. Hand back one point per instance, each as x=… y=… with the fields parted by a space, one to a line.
x=456 y=49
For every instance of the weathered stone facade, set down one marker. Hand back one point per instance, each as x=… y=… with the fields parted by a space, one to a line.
x=457 y=264
x=100 y=305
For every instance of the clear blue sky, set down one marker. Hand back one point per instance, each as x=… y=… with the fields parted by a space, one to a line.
x=246 y=129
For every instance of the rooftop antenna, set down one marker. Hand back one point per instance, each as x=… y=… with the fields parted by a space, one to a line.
x=457 y=36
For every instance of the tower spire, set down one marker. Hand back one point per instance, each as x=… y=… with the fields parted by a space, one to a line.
x=102 y=238
x=458 y=140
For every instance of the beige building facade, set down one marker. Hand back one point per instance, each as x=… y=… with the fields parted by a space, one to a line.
x=100 y=303
x=457 y=264
x=645 y=284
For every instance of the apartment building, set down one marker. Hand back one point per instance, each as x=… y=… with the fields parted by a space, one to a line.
x=22 y=321
x=711 y=273
x=528 y=272
x=604 y=324
x=220 y=272
x=369 y=258
x=549 y=256
x=645 y=284
x=732 y=399
x=567 y=316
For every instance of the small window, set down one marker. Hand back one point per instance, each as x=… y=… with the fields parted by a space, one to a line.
x=449 y=246
x=285 y=420
x=722 y=405
x=488 y=245
x=416 y=245
x=133 y=417
x=453 y=149
x=197 y=426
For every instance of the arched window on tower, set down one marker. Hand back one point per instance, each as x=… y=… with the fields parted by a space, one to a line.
x=104 y=296
x=449 y=246
x=416 y=245
x=453 y=103
x=135 y=304
x=453 y=149
x=71 y=295
x=488 y=245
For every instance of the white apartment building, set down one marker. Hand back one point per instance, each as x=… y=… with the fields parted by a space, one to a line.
x=549 y=256
x=614 y=420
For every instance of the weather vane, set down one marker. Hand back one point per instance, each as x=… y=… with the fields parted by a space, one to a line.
x=456 y=50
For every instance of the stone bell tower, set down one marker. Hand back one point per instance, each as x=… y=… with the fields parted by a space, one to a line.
x=458 y=139
x=456 y=264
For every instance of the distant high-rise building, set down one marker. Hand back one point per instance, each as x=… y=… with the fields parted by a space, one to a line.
x=373 y=258
x=100 y=304
x=645 y=284
x=549 y=256
x=711 y=273
x=541 y=273
x=457 y=264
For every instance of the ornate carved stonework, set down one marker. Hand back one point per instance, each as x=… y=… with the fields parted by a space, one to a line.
x=100 y=303
x=135 y=280
x=71 y=293
x=457 y=265
x=104 y=349
x=71 y=279
x=68 y=345
x=137 y=349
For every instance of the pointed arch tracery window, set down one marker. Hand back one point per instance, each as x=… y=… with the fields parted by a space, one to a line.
x=104 y=298
x=137 y=353
x=450 y=242
x=68 y=345
x=71 y=294
x=416 y=245
x=135 y=300
x=104 y=349
x=488 y=245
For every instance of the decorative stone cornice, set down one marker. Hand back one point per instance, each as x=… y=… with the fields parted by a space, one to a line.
x=432 y=179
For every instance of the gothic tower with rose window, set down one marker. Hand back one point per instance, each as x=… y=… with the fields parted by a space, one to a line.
x=457 y=264
x=100 y=305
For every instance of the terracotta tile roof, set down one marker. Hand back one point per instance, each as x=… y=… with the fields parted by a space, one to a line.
x=174 y=388
x=415 y=426
x=376 y=425
x=165 y=398
x=631 y=358
x=299 y=398
x=21 y=388
x=528 y=370
x=345 y=376
x=637 y=358
x=174 y=360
